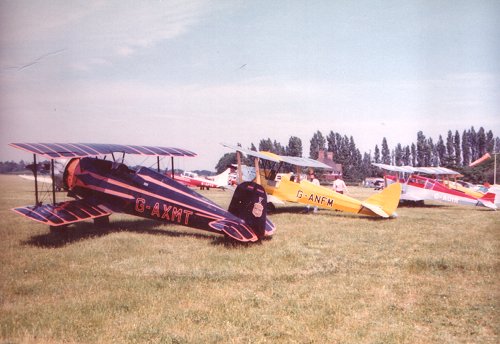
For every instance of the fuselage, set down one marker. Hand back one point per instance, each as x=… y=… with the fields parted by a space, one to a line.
x=193 y=180
x=149 y=194
x=419 y=188
x=306 y=192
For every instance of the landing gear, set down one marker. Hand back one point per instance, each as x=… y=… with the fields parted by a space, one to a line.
x=57 y=229
x=101 y=222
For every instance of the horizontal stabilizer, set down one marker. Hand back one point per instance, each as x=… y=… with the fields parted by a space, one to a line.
x=63 y=213
x=384 y=203
x=376 y=209
x=274 y=199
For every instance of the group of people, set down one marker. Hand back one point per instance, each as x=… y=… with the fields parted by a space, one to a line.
x=338 y=185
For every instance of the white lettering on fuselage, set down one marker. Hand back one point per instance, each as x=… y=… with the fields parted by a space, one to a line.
x=446 y=198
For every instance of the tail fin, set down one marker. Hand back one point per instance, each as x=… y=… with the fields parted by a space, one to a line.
x=249 y=204
x=384 y=203
x=490 y=197
x=222 y=179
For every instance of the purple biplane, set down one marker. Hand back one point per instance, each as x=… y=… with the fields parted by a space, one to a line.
x=100 y=187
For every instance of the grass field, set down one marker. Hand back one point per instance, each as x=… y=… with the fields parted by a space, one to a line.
x=430 y=276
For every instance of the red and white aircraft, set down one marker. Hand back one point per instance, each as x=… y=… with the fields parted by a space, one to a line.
x=193 y=180
x=418 y=188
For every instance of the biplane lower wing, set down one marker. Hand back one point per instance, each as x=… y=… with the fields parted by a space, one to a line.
x=63 y=213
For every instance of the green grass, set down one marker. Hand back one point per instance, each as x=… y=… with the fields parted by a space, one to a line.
x=429 y=276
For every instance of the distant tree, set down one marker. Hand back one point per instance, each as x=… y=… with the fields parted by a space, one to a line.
x=450 y=151
x=252 y=147
x=354 y=162
x=294 y=147
x=386 y=153
x=441 y=151
x=317 y=142
x=458 y=151
x=226 y=160
x=366 y=165
x=474 y=152
x=344 y=150
x=376 y=155
x=423 y=151
x=413 y=155
x=481 y=142
x=490 y=141
x=278 y=148
x=332 y=143
x=433 y=157
x=406 y=156
x=266 y=145
x=466 y=151
x=398 y=155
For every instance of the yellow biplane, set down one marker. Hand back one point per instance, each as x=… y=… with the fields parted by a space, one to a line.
x=291 y=189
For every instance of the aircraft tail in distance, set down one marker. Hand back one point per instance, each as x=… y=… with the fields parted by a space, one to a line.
x=488 y=200
x=222 y=180
x=384 y=203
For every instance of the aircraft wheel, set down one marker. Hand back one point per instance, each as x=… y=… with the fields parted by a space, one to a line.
x=101 y=222
x=57 y=229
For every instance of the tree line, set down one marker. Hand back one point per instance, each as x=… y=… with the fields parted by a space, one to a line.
x=454 y=150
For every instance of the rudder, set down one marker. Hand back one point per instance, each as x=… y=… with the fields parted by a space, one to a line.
x=388 y=199
x=249 y=204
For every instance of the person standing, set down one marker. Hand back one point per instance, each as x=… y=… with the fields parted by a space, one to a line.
x=315 y=181
x=339 y=185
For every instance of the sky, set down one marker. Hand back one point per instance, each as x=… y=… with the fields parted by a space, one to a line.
x=193 y=74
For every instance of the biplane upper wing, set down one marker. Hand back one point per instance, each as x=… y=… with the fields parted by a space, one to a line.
x=298 y=161
x=392 y=168
x=63 y=213
x=437 y=171
x=292 y=160
x=255 y=154
x=81 y=150
x=411 y=169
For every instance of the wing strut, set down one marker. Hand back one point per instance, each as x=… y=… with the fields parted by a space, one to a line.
x=53 y=181
x=35 y=168
x=257 y=170
x=173 y=174
x=238 y=160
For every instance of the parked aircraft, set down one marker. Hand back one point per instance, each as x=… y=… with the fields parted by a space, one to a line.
x=100 y=187
x=192 y=179
x=291 y=189
x=418 y=188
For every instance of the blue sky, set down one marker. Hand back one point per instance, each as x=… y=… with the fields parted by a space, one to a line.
x=192 y=74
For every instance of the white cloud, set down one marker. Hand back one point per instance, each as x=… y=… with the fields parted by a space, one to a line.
x=91 y=29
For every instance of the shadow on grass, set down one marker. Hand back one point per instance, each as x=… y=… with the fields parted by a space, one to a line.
x=420 y=204
x=290 y=210
x=322 y=212
x=87 y=230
